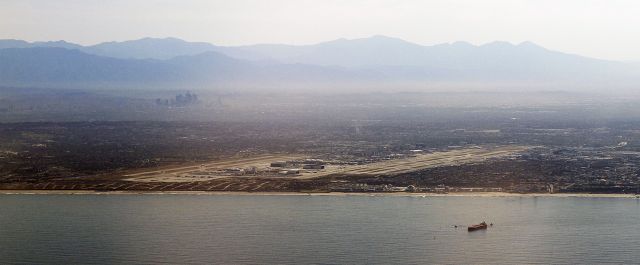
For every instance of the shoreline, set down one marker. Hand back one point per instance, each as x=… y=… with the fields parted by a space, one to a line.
x=374 y=194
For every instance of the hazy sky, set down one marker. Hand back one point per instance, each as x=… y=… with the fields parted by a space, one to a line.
x=605 y=29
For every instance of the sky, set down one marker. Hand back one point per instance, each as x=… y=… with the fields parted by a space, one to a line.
x=606 y=29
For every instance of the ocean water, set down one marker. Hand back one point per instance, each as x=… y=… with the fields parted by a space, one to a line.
x=281 y=229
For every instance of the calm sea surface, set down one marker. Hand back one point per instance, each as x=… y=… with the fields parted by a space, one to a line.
x=243 y=229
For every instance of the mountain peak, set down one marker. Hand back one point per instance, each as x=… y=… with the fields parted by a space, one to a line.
x=531 y=45
x=498 y=44
x=148 y=48
x=149 y=40
x=56 y=41
x=462 y=44
x=376 y=39
x=385 y=39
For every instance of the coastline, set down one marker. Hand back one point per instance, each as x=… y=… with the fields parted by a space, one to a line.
x=376 y=194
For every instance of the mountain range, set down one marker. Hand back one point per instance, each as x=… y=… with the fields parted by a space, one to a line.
x=374 y=60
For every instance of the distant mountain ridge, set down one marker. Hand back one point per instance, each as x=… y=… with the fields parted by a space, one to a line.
x=60 y=66
x=11 y=43
x=377 y=50
x=145 y=48
x=366 y=60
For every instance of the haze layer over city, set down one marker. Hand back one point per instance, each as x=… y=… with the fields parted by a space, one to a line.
x=443 y=110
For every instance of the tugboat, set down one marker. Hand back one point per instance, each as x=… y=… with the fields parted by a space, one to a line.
x=479 y=226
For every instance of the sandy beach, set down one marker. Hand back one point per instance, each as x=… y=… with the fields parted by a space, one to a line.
x=377 y=194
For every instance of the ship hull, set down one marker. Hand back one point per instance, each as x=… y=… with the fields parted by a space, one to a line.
x=477 y=227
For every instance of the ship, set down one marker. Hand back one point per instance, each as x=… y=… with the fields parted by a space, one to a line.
x=479 y=226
